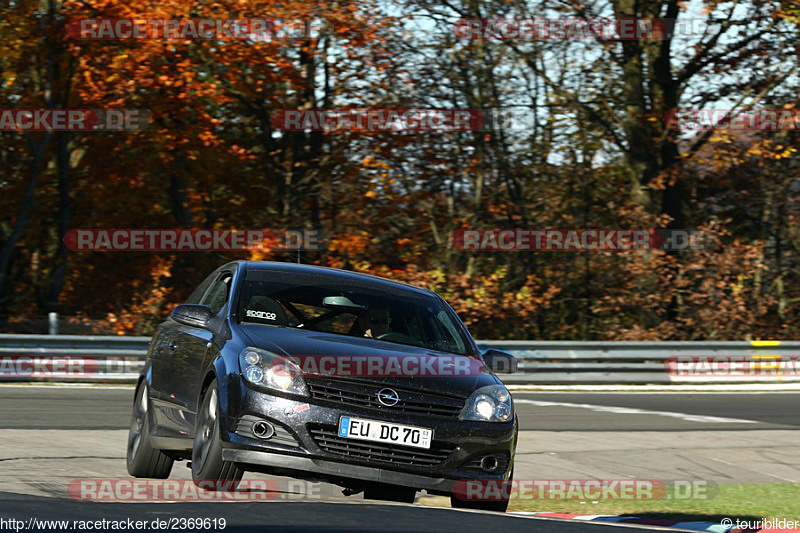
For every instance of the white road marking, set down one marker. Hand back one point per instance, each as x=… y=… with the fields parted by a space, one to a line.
x=632 y=411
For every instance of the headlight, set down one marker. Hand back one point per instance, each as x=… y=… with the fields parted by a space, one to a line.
x=271 y=371
x=488 y=404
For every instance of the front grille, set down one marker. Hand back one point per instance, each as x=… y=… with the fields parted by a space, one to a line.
x=364 y=395
x=328 y=439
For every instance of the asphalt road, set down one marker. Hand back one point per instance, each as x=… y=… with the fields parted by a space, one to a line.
x=43 y=407
x=291 y=516
x=52 y=436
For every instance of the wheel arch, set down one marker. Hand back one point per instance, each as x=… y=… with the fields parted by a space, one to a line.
x=216 y=371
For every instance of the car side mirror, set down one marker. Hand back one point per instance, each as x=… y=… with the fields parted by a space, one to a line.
x=193 y=315
x=500 y=362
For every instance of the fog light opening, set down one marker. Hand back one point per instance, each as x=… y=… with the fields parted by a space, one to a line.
x=489 y=463
x=263 y=430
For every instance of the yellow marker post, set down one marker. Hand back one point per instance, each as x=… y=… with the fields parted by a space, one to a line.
x=766 y=344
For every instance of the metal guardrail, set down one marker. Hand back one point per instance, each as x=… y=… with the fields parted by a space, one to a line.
x=634 y=362
x=77 y=358
x=72 y=358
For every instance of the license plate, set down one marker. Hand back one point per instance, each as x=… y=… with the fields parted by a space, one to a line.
x=376 y=431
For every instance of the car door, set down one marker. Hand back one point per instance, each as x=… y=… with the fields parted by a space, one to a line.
x=167 y=364
x=195 y=343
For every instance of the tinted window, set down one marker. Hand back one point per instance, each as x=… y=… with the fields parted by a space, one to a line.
x=323 y=303
x=198 y=293
x=218 y=294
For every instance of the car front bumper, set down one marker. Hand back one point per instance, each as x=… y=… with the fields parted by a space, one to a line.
x=297 y=449
x=312 y=467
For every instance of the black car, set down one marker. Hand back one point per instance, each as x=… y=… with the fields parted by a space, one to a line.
x=227 y=385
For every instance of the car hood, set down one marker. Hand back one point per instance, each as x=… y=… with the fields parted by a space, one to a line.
x=298 y=342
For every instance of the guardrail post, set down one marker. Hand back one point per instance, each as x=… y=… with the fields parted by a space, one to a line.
x=52 y=323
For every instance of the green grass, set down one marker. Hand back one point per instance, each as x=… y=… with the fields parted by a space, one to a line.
x=781 y=500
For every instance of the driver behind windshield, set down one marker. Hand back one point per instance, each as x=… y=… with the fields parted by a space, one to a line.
x=374 y=321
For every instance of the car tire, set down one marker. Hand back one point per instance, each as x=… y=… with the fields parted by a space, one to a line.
x=498 y=506
x=143 y=459
x=390 y=493
x=209 y=471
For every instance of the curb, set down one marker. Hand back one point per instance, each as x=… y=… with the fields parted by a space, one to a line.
x=694 y=388
x=713 y=527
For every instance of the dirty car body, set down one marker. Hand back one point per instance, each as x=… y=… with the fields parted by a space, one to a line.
x=367 y=428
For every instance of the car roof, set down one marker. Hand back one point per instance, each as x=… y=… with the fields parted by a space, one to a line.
x=334 y=274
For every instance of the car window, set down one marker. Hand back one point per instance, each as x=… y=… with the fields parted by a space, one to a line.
x=449 y=334
x=402 y=317
x=341 y=323
x=201 y=289
x=218 y=294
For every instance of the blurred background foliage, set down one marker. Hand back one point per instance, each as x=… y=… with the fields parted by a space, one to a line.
x=598 y=156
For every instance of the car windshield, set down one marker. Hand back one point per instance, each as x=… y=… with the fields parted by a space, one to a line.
x=324 y=304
